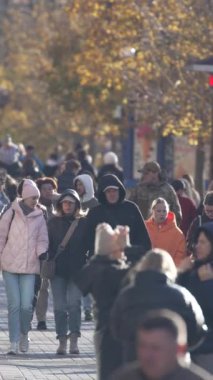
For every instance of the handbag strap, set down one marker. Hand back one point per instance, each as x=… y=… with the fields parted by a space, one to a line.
x=66 y=238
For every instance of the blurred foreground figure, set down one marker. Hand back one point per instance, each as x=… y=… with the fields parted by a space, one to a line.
x=151 y=287
x=102 y=277
x=161 y=351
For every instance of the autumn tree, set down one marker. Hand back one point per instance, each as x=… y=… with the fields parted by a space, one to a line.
x=71 y=63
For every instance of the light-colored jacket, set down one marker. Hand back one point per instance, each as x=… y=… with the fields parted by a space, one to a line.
x=26 y=241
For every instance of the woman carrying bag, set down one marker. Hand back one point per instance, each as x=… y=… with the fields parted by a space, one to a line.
x=23 y=241
x=70 y=222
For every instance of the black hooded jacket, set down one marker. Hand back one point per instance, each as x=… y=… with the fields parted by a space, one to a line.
x=124 y=213
x=72 y=259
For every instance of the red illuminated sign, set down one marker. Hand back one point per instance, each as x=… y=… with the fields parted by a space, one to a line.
x=211 y=81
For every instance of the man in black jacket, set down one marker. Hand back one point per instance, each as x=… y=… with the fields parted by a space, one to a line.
x=115 y=210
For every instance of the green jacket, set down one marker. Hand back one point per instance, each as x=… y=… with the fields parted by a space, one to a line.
x=144 y=194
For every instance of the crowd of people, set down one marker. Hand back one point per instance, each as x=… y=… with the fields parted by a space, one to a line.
x=138 y=261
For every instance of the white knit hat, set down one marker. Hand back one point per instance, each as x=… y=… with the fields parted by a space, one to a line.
x=108 y=240
x=29 y=189
x=110 y=158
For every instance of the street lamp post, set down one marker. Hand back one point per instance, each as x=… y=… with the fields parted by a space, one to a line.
x=206 y=66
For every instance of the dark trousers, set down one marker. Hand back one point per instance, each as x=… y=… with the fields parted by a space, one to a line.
x=108 y=353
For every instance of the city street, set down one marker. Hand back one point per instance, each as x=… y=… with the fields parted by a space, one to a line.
x=41 y=361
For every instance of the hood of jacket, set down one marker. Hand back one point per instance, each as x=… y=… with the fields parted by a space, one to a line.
x=69 y=192
x=167 y=225
x=87 y=181
x=110 y=180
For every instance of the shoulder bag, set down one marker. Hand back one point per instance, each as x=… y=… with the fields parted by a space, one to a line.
x=48 y=266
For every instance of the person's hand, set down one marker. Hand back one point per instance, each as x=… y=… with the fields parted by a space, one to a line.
x=186 y=264
x=205 y=272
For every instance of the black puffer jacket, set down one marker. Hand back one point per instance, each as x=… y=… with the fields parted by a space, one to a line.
x=122 y=213
x=153 y=290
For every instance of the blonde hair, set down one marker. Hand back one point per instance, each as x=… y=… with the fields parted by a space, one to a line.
x=158 y=201
x=160 y=261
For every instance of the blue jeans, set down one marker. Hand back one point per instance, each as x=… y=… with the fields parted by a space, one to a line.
x=20 y=293
x=67 y=306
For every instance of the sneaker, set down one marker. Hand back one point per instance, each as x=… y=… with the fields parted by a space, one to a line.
x=13 y=349
x=24 y=343
x=88 y=316
x=41 y=326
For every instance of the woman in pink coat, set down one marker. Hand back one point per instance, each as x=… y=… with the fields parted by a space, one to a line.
x=23 y=239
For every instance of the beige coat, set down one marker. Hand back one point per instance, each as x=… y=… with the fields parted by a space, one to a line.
x=27 y=240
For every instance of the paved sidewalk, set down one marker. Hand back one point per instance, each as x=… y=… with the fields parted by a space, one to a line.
x=41 y=363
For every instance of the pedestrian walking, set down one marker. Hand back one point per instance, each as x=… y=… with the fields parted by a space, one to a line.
x=111 y=166
x=153 y=185
x=188 y=208
x=23 y=240
x=197 y=277
x=70 y=170
x=66 y=294
x=84 y=186
x=48 y=190
x=207 y=216
x=102 y=277
x=115 y=210
x=153 y=287
x=163 y=231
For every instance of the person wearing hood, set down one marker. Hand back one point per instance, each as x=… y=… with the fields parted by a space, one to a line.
x=102 y=277
x=163 y=231
x=66 y=294
x=23 y=241
x=48 y=190
x=111 y=166
x=84 y=186
x=115 y=210
x=197 y=276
